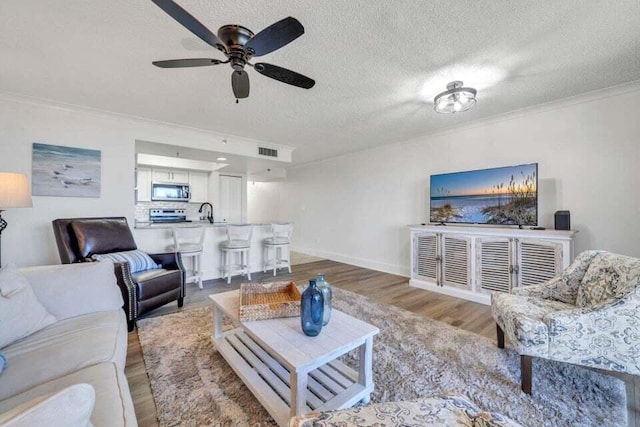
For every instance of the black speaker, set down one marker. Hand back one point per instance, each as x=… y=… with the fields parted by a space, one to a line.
x=562 y=220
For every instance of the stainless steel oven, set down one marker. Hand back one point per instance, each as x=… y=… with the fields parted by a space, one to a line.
x=170 y=192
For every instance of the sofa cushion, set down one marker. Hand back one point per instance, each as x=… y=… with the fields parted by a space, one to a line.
x=64 y=347
x=70 y=407
x=21 y=314
x=445 y=410
x=113 y=405
x=102 y=235
x=72 y=290
x=137 y=260
x=608 y=278
x=521 y=319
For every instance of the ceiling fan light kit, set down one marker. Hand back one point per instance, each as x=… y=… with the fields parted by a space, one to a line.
x=239 y=45
x=455 y=99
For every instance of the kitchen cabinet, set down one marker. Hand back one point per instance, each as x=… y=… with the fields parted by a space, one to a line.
x=473 y=262
x=199 y=183
x=170 y=175
x=143 y=184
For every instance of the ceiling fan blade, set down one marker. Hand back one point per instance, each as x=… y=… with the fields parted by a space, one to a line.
x=180 y=63
x=275 y=36
x=284 y=75
x=190 y=23
x=240 y=84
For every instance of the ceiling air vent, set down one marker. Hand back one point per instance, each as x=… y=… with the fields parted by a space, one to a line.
x=270 y=152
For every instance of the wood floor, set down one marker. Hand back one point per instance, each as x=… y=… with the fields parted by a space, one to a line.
x=382 y=287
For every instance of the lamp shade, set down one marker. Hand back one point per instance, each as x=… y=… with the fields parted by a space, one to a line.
x=14 y=191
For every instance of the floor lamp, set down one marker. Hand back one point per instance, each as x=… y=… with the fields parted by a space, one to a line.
x=14 y=193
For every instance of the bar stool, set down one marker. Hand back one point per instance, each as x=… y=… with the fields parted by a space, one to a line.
x=238 y=245
x=279 y=241
x=188 y=242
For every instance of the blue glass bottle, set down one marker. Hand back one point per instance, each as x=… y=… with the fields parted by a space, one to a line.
x=311 y=310
x=325 y=288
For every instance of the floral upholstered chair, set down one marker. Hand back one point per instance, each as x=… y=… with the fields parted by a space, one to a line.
x=588 y=315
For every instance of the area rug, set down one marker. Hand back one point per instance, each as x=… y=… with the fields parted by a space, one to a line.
x=413 y=357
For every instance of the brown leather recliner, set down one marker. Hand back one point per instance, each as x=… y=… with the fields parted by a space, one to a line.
x=79 y=239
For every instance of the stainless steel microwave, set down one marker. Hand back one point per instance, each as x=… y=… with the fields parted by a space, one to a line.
x=170 y=192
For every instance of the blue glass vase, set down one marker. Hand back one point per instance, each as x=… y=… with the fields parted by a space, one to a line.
x=325 y=288
x=311 y=310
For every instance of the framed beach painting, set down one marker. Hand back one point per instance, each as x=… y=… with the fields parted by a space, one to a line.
x=65 y=171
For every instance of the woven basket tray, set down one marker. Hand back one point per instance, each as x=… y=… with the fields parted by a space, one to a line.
x=260 y=301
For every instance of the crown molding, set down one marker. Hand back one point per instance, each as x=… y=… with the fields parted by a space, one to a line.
x=50 y=103
x=584 y=98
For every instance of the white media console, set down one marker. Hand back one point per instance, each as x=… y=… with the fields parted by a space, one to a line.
x=471 y=262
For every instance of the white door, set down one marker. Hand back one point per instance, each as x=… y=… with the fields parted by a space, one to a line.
x=494 y=264
x=179 y=176
x=456 y=261
x=161 y=175
x=538 y=261
x=199 y=186
x=143 y=184
x=230 y=199
x=170 y=175
x=425 y=257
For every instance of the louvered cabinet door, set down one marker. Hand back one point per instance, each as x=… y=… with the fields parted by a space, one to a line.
x=493 y=264
x=456 y=261
x=426 y=256
x=538 y=261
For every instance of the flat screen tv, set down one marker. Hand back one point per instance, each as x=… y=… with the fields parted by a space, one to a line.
x=502 y=196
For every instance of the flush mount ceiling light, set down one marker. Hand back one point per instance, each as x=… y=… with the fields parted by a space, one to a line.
x=221 y=159
x=455 y=99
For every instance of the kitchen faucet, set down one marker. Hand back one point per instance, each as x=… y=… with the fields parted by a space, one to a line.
x=210 y=216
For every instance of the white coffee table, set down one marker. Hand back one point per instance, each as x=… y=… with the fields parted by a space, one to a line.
x=290 y=373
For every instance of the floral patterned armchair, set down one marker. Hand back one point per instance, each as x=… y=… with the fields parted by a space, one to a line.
x=588 y=315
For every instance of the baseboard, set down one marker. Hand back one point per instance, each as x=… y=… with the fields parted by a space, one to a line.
x=453 y=292
x=359 y=262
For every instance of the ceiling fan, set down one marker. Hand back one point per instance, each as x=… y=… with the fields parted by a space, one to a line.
x=239 y=45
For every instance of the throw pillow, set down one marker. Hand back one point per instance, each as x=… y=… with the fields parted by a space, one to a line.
x=138 y=260
x=71 y=290
x=608 y=278
x=70 y=407
x=21 y=313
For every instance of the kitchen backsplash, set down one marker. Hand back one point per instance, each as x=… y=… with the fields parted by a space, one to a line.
x=142 y=209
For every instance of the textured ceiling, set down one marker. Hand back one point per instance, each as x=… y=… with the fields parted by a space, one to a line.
x=377 y=64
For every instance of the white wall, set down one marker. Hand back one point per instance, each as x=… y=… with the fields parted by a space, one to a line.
x=263 y=202
x=29 y=240
x=355 y=208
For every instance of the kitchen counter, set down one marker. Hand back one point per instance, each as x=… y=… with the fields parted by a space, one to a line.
x=169 y=225
x=157 y=238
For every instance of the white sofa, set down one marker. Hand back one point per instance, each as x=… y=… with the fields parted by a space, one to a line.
x=86 y=344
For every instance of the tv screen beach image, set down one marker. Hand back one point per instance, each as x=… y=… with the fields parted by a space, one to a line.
x=507 y=196
x=65 y=171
